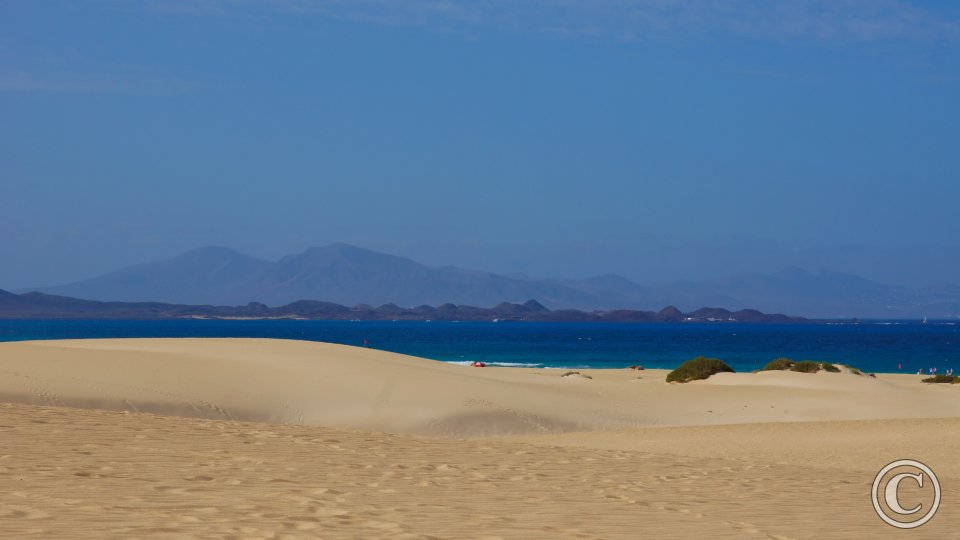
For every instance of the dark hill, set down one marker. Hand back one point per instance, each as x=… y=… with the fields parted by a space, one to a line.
x=44 y=306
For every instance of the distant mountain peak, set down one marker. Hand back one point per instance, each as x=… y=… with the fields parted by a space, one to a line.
x=349 y=275
x=533 y=305
x=670 y=313
x=346 y=251
x=341 y=247
x=200 y=275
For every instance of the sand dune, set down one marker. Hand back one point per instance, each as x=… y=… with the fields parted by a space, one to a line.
x=71 y=473
x=330 y=385
x=287 y=441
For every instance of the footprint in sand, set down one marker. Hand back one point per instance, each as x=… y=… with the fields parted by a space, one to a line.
x=21 y=512
x=198 y=478
x=331 y=512
x=170 y=489
x=743 y=527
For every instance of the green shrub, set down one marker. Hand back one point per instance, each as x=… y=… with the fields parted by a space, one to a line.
x=941 y=378
x=806 y=366
x=697 y=369
x=572 y=373
x=780 y=364
x=855 y=371
x=827 y=366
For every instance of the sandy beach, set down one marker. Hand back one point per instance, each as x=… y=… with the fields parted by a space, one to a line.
x=253 y=438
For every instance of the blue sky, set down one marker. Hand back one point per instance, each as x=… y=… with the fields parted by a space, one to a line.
x=655 y=139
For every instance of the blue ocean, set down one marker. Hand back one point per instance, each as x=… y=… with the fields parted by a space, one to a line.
x=875 y=346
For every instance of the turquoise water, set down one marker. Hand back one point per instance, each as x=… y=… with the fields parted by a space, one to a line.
x=877 y=346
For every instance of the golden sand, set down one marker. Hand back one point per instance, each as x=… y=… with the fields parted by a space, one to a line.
x=273 y=439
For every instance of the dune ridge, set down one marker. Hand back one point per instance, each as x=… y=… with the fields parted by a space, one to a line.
x=322 y=384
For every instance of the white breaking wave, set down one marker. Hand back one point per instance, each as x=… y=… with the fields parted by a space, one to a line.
x=500 y=364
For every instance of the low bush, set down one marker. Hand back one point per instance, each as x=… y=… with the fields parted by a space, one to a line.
x=806 y=366
x=944 y=379
x=827 y=366
x=780 y=364
x=697 y=369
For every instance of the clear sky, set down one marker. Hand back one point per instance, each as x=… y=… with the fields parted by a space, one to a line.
x=556 y=138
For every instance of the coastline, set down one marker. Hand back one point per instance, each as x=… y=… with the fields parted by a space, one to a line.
x=873 y=348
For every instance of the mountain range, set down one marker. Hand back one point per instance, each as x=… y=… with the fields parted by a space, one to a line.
x=36 y=305
x=349 y=275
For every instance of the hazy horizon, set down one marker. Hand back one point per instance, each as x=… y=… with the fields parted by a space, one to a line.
x=659 y=141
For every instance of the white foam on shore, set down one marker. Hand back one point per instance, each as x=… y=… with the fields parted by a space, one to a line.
x=496 y=364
